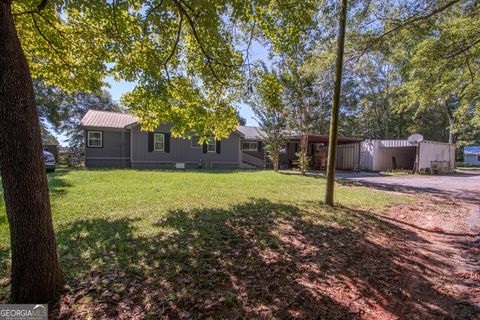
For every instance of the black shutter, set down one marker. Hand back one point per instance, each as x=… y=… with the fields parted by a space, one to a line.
x=150 y=142
x=204 y=147
x=218 y=146
x=260 y=147
x=167 y=142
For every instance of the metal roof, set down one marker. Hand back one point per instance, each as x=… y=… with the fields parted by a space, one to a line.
x=395 y=144
x=107 y=119
x=315 y=138
x=252 y=133
x=471 y=150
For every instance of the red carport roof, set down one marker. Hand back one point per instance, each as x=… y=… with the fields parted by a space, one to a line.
x=313 y=138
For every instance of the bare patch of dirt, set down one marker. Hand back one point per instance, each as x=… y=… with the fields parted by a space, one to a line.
x=447 y=254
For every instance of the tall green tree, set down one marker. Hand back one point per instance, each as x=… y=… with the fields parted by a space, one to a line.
x=62 y=112
x=443 y=71
x=271 y=113
x=302 y=100
x=183 y=55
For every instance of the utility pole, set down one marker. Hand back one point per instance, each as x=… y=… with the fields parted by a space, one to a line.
x=332 y=140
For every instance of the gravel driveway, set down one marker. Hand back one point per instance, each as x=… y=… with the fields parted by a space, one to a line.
x=462 y=186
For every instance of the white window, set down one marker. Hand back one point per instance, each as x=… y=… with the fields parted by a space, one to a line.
x=94 y=139
x=249 y=146
x=195 y=140
x=158 y=142
x=212 y=146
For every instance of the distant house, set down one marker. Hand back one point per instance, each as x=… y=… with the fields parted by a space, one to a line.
x=471 y=155
x=116 y=140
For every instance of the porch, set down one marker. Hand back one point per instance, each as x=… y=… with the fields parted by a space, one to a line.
x=348 y=152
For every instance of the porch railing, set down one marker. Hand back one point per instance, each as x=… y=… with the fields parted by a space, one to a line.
x=254 y=161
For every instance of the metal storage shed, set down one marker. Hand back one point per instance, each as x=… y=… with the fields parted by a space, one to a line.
x=424 y=156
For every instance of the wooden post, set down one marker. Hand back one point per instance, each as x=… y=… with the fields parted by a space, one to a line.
x=332 y=139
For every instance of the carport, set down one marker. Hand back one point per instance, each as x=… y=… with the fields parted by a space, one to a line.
x=348 y=152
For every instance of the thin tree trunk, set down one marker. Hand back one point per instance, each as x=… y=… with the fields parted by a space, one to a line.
x=275 y=160
x=304 y=154
x=332 y=140
x=452 y=121
x=36 y=275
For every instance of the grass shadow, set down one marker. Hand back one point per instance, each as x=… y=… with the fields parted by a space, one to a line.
x=57 y=185
x=257 y=259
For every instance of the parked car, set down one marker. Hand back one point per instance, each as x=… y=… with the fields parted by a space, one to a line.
x=49 y=161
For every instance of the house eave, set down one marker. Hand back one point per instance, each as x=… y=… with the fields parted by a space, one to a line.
x=105 y=128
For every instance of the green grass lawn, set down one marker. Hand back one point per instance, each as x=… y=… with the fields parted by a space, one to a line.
x=180 y=236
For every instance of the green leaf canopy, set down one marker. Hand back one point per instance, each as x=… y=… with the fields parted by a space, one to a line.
x=187 y=57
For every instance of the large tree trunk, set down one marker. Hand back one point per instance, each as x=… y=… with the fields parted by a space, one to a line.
x=36 y=275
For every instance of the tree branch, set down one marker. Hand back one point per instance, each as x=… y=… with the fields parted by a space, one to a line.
x=467 y=61
x=190 y=21
x=402 y=24
x=462 y=50
x=152 y=10
x=55 y=28
x=177 y=39
x=50 y=43
x=39 y=8
x=115 y=15
x=415 y=18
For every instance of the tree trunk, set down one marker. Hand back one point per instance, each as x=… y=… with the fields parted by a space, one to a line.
x=304 y=154
x=452 y=121
x=36 y=275
x=275 y=161
x=332 y=139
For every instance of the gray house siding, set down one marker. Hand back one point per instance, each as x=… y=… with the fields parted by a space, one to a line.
x=115 y=150
x=182 y=151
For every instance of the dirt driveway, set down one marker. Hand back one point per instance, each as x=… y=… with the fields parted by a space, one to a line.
x=446 y=216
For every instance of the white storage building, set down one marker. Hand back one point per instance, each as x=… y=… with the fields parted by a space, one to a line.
x=423 y=156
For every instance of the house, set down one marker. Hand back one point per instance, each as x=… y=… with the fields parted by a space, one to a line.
x=471 y=155
x=115 y=139
x=421 y=156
